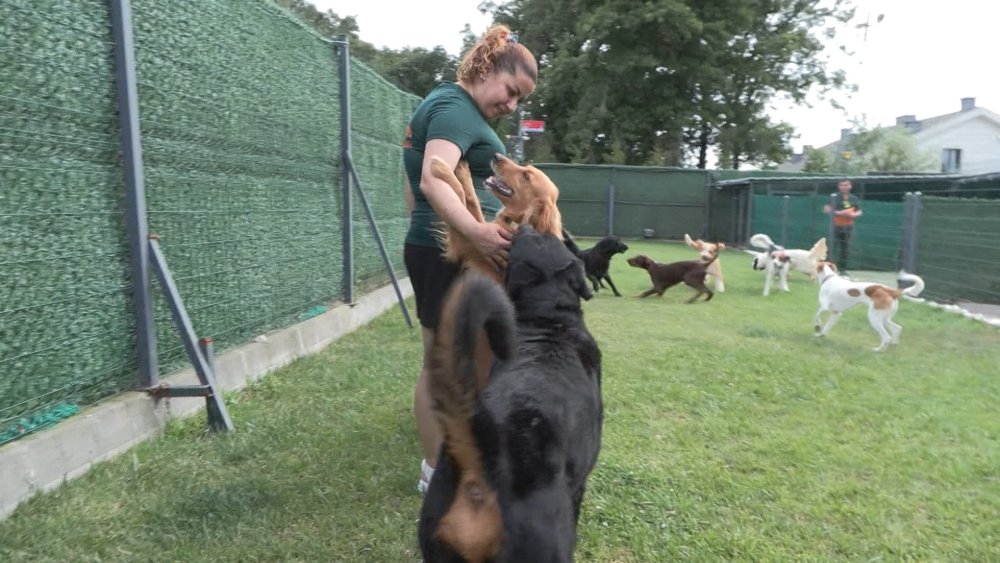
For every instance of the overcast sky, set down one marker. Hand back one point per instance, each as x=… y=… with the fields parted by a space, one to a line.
x=921 y=59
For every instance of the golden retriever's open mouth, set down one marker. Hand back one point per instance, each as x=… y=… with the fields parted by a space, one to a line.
x=496 y=185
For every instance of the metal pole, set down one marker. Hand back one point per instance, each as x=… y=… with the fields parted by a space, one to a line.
x=784 y=220
x=135 y=195
x=347 y=228
x=218 y=415
x=520 y=137
x=904 y=245
x=380 y=243
x=611 y=204
x=917 y=204
x=748 y=212
x=830 y=240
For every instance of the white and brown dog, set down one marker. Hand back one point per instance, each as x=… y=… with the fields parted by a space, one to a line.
x=778 y=260
x=707 y=251
x=838 y=294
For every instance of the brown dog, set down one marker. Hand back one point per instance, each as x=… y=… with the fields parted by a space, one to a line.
x=664 y=276
x=528 y=195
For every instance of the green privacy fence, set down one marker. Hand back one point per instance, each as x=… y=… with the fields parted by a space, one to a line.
x=958 y=247
x=596 y=200
x=955 y=228
x=799 y=221
x=239 y=119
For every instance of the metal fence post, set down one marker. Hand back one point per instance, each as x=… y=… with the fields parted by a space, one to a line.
x=831 y=241
x=784 y=220
x=347 y=228
x=135 y=193
x=611 y=204
x=911 y=265
x=907 y=234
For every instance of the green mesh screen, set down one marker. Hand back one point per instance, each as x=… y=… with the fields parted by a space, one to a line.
x=669 y=201
x=239 y=108
x=65 y=321
x=799 y=221
x=583 y=197
x=791 y=221
x=958 y=248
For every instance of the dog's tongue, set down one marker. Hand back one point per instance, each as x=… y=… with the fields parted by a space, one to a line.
x=498 y=186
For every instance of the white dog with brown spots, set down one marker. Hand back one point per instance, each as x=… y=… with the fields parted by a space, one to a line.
x=838 y=294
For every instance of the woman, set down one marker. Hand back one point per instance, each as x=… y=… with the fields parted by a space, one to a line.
x=453 y=123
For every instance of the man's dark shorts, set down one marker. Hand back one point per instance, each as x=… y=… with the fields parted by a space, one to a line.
x=431 y=276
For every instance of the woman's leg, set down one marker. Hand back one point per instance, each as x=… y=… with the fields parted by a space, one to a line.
x=427 y=425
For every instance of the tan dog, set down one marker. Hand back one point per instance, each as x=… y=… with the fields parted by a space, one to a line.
x=708 y=251
x=838 y=294
x=528 y=196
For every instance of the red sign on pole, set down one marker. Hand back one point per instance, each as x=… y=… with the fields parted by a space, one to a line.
x=532 y=126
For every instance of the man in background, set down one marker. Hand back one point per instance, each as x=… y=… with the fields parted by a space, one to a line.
x=843 y=209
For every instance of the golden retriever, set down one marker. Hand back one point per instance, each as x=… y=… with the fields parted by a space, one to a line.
x=528 y=195
x=707 y=251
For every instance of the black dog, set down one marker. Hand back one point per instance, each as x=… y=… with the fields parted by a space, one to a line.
x=597 y=259
x=517 y=453
x=664 y=276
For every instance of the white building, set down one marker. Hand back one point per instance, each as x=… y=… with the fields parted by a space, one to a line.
x=967 y=141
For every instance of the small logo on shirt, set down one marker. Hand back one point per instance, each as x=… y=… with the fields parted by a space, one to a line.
x=408 y=138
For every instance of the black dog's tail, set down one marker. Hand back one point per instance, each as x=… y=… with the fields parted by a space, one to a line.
x=570 y=243
x=476 y=311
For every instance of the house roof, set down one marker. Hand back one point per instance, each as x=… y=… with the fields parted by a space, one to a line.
x=923 y=127
x=935 y=124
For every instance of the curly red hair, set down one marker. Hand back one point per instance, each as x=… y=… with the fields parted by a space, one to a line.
x=497 y=50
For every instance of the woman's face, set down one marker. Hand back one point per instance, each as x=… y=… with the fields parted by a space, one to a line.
x=499 y=93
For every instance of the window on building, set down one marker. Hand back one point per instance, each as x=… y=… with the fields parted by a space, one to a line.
x=951 y=161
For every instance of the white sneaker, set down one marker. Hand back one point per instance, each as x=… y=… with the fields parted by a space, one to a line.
x=426 y=474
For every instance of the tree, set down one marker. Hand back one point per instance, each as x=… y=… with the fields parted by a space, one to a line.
x=670 y=80
x=413 y=70
x=884 y=150
x=818 y=161
x=416 y=70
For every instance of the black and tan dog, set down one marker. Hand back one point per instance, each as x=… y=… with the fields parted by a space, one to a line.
x=664 y=276
x=518 y=450
x=597 y=259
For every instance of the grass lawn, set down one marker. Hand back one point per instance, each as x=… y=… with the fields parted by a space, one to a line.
x=731 y=433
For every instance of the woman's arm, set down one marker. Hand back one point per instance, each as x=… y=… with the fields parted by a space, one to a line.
x=491 y=239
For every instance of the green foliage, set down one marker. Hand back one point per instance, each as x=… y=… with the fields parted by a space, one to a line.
x=885 y=150
x=730 y=433
x=818 y=161
x=666 y=81
x=416 y=70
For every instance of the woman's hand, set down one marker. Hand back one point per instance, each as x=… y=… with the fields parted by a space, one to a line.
x=492 y=240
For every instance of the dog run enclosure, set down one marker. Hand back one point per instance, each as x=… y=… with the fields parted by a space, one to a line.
x=239 y=122
x=230 y=147
x=925 y=223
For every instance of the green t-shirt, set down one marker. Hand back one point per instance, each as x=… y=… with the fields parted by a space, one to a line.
x=448 y=113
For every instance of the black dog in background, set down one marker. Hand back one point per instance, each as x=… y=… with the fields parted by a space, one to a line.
x=517 y=450
x=597 y=259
